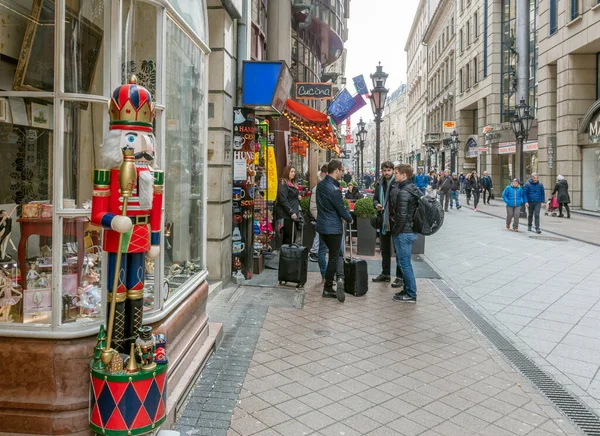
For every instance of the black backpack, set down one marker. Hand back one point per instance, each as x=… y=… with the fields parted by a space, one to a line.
x=429 y=216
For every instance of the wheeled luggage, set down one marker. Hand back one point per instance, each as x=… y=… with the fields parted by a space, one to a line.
x=356 y=277
x=293 y=262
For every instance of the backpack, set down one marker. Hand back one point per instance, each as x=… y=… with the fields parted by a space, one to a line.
x=428 y=217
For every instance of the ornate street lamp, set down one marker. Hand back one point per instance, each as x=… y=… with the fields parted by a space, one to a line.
x=378 y=97
x=362 y=137
x=453 y=149
x=521 y=124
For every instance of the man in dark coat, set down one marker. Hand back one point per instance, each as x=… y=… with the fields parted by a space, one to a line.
x=534 y=197
x=330 y=213
x=381 y=197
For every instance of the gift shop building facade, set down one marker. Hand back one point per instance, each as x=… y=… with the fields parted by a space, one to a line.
x=60 y=61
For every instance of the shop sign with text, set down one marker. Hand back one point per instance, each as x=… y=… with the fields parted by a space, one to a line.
x=313 y=91
x=507 y=148
x=530 y=146
x=449 y=126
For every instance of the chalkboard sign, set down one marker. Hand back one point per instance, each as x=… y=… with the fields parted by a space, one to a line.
x=313 y=91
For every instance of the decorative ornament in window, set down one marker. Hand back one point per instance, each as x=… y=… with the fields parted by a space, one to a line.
x=146 y=74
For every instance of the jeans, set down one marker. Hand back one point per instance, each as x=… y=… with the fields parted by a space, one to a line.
x=403 y=242
x=462 y=187
x=512 y=214
x=322 y=256
x=454 y=196
x=385 y=244
x=315 y=246
x=335 y=264
x=534 y=212
x=475 y=198
x=489 y=192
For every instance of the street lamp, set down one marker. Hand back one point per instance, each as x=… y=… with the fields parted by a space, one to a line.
x=430 y=151
x=378 y=97
x=521 y=124
x=362 y=136
x=453 y=149
x=357 y=154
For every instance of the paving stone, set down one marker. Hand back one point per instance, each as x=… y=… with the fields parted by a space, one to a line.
x=271 y=416
x=294 y=408
x=361 y=423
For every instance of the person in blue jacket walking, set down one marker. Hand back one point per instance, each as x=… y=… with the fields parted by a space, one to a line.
x=422 y=181
x=513 y=197
x=534 y=198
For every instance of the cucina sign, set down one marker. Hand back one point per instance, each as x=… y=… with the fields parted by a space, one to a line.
x=313 y=91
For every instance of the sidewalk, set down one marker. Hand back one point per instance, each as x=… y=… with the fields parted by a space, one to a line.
x=368 y=366
x=581 y=227
x=541 y=291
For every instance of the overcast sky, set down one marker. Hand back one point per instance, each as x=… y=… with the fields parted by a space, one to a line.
x=377 y=32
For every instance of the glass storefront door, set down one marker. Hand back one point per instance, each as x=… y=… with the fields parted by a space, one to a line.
x=591 y=179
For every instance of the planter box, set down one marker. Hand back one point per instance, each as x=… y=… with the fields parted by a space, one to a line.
x=366 y=237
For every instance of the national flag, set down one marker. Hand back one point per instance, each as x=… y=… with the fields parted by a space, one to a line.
x=360 y=85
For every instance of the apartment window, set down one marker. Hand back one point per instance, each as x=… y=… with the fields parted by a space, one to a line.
x=485 y=30
x=554 y=16
x=475 y=70
x=468 y=33
x=460 y=80
x=462 y=47
x=475 y=27
x=452 y=24
x=462 y=6
x=574 y=9
x=468 y=76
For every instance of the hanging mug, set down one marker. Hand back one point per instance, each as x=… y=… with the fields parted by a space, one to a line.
x=238 y=194
x=238 y=247
x=237 y=142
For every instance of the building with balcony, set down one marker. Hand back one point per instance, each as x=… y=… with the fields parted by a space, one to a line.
x=439 y=38
x=569 y=81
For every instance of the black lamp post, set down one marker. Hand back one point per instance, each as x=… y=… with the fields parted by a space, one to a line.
x=378 y=97
x=430 y=151
x=521 y=124
x=362 y=136
x=357 y=160
x=453 y=149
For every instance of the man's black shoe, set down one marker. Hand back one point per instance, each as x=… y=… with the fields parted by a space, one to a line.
x=339 y=290
x=381 y=278
x=398 y=283
x=329 y=293
x=404 y=298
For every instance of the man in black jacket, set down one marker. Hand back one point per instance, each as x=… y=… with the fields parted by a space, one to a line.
x=330 y=213
x=381 y=203
x=404 y=203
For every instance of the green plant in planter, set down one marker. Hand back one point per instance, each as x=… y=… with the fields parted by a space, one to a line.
x=346 y=204
x=353 y=184
x=363 y=208
x=343 y=184
x=305 y=204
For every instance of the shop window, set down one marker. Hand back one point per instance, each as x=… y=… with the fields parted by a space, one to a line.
x=184 y=163
x=139 y=53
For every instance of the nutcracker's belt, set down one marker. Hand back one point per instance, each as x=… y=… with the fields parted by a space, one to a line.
x=140 y=219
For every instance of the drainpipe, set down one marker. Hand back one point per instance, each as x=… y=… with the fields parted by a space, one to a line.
x=242 y=46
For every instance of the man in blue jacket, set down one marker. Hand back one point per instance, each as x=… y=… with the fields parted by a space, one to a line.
x=330 y=213
x=534 y=197
x=421 y=181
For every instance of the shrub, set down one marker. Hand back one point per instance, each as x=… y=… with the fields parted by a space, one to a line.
x=305 y=204
x=346 y=204
x=363 y=208
x=343 y=184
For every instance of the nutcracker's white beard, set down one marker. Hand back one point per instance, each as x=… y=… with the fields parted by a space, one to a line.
x=145 y=189
x=110 y=154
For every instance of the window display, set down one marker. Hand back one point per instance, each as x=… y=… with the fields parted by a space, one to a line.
x=184 y=166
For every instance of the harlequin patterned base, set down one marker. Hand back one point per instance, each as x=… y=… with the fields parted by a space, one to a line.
x=128 y=404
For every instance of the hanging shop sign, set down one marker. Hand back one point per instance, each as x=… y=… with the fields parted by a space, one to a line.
x=449 y=126
x=266 y=86
x=313 y=91
x=507 y=148
x=497 y=133
x=550 y=148
x=469 y=166
x=530 y=146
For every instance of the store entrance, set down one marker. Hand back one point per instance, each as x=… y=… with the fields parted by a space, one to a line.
x=591 y=179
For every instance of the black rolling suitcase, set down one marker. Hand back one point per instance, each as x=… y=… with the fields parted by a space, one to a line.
x=293 y=262
x=356 y=277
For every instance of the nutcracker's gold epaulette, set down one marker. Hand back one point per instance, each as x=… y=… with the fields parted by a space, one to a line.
x=101 y=178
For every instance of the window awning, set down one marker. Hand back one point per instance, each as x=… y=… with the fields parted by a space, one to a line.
x=314 y=124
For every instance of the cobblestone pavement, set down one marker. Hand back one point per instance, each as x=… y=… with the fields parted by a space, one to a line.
x=540 y=291
x=372 y=366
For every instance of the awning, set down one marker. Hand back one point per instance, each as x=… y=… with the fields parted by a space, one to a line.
x=314 y=124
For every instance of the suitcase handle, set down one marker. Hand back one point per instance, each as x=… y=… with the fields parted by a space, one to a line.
x=350 y=238
x=301 y=221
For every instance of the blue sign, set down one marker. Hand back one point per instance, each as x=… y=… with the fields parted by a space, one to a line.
x=266 y=85
x=360 y=85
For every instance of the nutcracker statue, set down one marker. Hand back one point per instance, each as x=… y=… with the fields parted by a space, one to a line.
x=127 y=397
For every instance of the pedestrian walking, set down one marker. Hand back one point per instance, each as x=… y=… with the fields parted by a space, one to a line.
x=381 y=202
x=561 y=189
x=445 y=185
x=421 y=181
x=476 y=189
x=454 y=188
x=288 y=202
x=404 y=203
x=330 y=213
x=433 y=182
x=347 y=177
x=461 y=179
x=468 y=187
x=513 y=197
x=534 y=197
x=487 y=186
x=318 y=252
